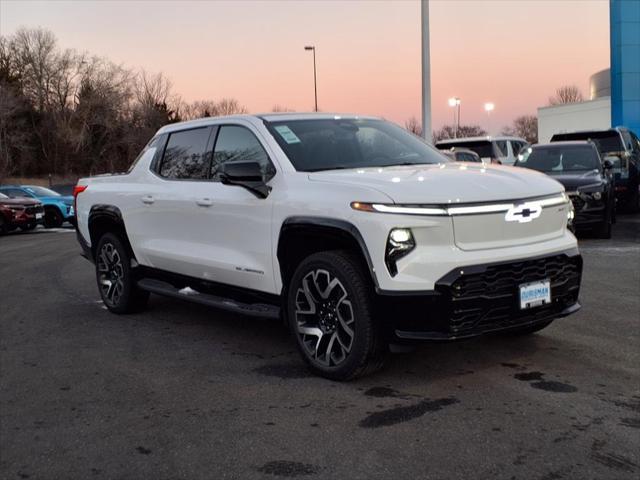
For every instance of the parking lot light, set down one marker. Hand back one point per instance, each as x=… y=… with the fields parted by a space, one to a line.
x=455 y=103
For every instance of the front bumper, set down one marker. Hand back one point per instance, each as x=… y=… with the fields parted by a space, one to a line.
x=478 y=299
x=588 y=213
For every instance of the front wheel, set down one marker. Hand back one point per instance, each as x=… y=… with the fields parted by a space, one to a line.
x=53 y=218
x=330 y=312
x=115 y=278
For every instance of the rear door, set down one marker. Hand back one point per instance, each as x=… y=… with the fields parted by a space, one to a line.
x=163 y=225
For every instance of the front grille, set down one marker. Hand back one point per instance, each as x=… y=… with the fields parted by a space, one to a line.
x=487 y=298
x=34 y=210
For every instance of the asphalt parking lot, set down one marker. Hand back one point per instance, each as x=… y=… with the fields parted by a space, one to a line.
x=186 y=392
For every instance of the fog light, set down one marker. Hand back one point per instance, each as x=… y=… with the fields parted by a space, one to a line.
x=399 y=244
x=400 y=235
x=596 y=195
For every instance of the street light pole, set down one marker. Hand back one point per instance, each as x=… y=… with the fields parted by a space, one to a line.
x=488 y=107
x=426 y=72
x=315 y=81
x=455 y=103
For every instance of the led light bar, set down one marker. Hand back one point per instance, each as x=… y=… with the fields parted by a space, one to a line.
x=461 y=210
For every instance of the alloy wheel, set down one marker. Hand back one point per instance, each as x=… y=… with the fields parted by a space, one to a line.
x=324 y=318
x=110 y=274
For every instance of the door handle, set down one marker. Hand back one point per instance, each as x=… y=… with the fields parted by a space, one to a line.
x=147 y=199
x=204 y=202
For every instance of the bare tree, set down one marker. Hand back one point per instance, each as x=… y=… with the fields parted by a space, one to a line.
x=414 y=126
x=229 y=106
x=448 y=131
x=524 y=126
x=280 y=108
x=566 y=94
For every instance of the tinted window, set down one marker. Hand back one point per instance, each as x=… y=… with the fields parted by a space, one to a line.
x=238 y=144
x=484 y=148
x=329 y=144
x=502 y=147
x=560 y=159
x=42 y=192
x=184 y=156
x=14 y=192
x=606 y=141
x=466 y=157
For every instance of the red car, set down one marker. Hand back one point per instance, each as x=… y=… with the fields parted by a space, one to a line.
x=23 y=213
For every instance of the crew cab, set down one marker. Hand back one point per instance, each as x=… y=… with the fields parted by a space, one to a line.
x=57 y=208
x=356 y=233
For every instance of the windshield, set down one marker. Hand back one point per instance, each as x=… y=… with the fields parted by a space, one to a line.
x=42 y=192
x=329 y=144
x=556 y=159
x=484 y=148
x=607 y=141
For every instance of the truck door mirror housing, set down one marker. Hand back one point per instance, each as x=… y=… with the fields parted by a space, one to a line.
x=247 y=174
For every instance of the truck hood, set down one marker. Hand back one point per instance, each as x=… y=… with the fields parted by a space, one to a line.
x=574 y=180
x=454 y=182
x=23 y=201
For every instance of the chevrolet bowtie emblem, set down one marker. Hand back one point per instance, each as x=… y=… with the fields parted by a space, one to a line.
x=523 y=213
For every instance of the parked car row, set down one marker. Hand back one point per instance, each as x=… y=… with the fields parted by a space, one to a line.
x=55 y=209
x=598 y=168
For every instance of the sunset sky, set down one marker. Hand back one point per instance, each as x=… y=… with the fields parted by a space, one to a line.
x=513 y=53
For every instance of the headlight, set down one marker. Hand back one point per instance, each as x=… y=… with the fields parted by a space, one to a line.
x=399 y=244
x=596 y=195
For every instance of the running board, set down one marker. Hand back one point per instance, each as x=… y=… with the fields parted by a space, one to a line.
x=253 y=309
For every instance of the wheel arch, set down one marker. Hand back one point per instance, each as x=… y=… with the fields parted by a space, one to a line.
x=301 y=236
x=103 y=219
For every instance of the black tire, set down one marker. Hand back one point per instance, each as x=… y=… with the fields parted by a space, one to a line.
x=113 y=264
x=53 y=218
x=604 y=229
x=530 y=329
x=28 y=228
x=346 y=304
x=3 y=226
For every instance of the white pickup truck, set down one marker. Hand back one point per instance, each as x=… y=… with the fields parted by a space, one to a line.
x=355 y=232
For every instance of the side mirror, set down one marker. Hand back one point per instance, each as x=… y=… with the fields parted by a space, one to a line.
x=247 y=175
x=610 y=161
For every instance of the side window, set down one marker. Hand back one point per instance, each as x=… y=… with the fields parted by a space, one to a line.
x=515 y=147
x=185 y=157
x=627 y=141
x=239 y=144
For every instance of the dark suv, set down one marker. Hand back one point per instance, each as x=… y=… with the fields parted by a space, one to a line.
x=622 y=147
x=586 y=178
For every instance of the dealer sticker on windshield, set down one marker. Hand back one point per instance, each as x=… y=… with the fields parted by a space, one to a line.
x=286 y=134
x=534 y=294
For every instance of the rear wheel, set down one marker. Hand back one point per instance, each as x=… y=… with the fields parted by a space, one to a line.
x=115 y=278
x=53 y=218
x=3 y=225
x=330 y=312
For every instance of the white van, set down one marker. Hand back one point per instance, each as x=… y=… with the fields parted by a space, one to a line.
x=491 y=149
